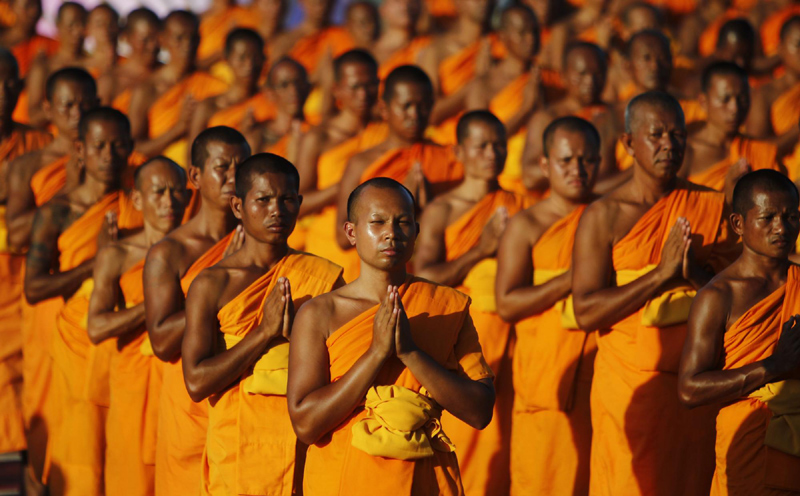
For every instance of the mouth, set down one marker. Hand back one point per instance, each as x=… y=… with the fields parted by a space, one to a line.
x=391 y=252
x=278 y=228
x=781 y=242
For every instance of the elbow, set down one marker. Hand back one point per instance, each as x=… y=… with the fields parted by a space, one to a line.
x=687 y=394
x=194 y=388
x=583 y=316
x=305 y=434
x=95 y=336
x=32 y=295
x=16 y=240
x=504 y=310
x=162 y=350
x=481 y=419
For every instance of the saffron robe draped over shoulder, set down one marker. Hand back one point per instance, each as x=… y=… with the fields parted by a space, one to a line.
x=12 y=433
x=553 y=365
x=770 y=29
x=310 y=50
x=182 y=423
x=646 y=442
x=407 y=55
x=251 y=443
x=135 y=386
x=745 y=465
x=484 y=455
x=760 y=155
x=262 y=108
x=214 y=29
x=785 y=112
x=442 y=328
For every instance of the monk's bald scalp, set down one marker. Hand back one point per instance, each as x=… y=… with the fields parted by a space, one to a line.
x=740 y=28
x=373 y=10
x=181 y=15
x=721 y=69
x=408 y=74
x=243 y=34
x=286 y=60
x=383 y=183
x=648 y=100
x=260 y=164
x=142 y=14
x=71 y=5
x=570 y=124
x=628 y=11
x=765 y=181
x=7 y=57
x=141 y=172
x=70 y=75
x=103 y=114
x=216 y=134
x=790 y=23
x=108 y=8
x=357 y=56
x=649 y=36
x=587 y=48
x=484 y=116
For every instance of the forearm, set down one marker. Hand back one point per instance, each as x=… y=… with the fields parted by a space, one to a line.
x=315 y=200
x=40 y=286
x=468 y=400
x=166 y=337
x=527 y=301
x=448 y=106
x=154 y=146
x=519 y=120
x=452 y=273
x=787 y=142
x=19 y=229
x=114 y=324
x=721 y=386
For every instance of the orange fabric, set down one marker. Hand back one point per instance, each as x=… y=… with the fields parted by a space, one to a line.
x=760 y=155
x=484 y=456
x=122 y=102
x=441 y=8
x=552 y=378
x=251 y=444
x=48 y=180
x=744 y=464
x=676 y=7
x=310 y=50
x=26 y=52
x=771 y=28
x=645 y=441
x=262 y=108
x=166 y=110
x=281 y=147
x=135 y=385
x=80 y=383
x=458 y=69
x=214 y=29
x=707 y=44
x=785 y=112
x=320 y=238
x=441 y=327
x=407 y=55
x=7 y=16
x=182 y=423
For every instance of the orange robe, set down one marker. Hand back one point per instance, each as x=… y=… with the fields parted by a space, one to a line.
x=166 y=110
x=318 y=231
x=645 y=441
x=407 y=55
x=745 y=466
x=771 y=28
x=26 y=52
x=78 y=434
x=263 y=109
x=707 y=44
x=441 y=8
x=182 y=423
x=251 y=444
x=12 y=433
x=281 y=147
x=676 y=7
x=484 y=456
x=214 y=29
x=310 y=50
x=785 y=112
x=760 y=155
x=442 y=328
x=553 y=367
x=135 y=386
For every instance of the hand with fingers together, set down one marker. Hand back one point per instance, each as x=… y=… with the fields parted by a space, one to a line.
x=274 y=311
x=236 y=242
x=384 y=324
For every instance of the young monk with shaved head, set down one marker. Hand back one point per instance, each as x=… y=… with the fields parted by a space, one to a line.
x=21 y=36
x=553 y=359
x=640 y=254
x=743 y=345
x=116 y=314
x=170 y=267
x=238 y=326
x=398 y=43
x=388 y=347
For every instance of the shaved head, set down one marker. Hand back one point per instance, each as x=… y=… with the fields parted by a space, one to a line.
x=142 y=14
x=406 y=74
x=738 y=29
x=484 y=116
x=570 y=124
x=246 y=35
x=649 y=36
x=764 y=180
x=141 y=172
x=354 y=57
x=221 y=134
x=285 y=60
x=383 y=183
x=260 y=164
x=793 y=21
x=723 y=69
x=70 y=75
x=651 y=99
x=104 y=114
x=71 y=5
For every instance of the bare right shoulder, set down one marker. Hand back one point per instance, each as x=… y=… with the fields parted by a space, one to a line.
x=528 y=224
x=167 y=253
x=318 y=313
x=26 y=165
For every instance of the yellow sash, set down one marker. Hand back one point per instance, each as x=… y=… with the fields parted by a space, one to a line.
x=565 y=306
x=667 y=309
x=783 y=400
x=271 y=371
x=480 y=281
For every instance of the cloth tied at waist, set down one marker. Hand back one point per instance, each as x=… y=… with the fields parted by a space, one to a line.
x=270 y=372
x=565 y=306
x=783 y=400
x=669 y=308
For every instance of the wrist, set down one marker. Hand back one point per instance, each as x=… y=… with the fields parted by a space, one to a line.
x=772 y=368
x=407 y=356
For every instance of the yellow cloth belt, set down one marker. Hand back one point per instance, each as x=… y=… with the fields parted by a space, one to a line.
x=400 y=424
x=565 y=306
x=480 y=281
x=783 y=400
x=271 y=371
x=669 y=308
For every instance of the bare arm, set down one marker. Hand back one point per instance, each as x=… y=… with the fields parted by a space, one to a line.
x=314 y=200
x=141 y=101
x=517 y=297
x=759 y=123
x=36 y=81
x=164 y=302
x=105 y=320
x=21 y=203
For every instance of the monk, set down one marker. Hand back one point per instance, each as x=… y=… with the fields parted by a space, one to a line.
x=553 y=360
x=71 y=25
x=67 y=232
x=170 y=267
x=658 y=238
x=34 y=178
x=457 y=247
x=584 y=76
x=426 y=168
x=714 y=150
x=362 y=23
x=116 y=315
x=270 y=15
x=780 y=11
x=244 y=53
x=325 y=149
x=21 y=36
x=15 y=140
x=775 y=111
x=386 y=353
x=141 y=30
x=398 y=43
x=287 y=88
x=162 y=106
x=102 y=33
x=216 y=23
x=743 y=343
x=692 y=31
x=238 y=323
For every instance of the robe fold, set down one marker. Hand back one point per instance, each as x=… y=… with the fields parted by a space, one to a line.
x=745 y=465
x=12 y=433
x=182 y=423
x=263 y=109
x=250 y=449
x=214 y=29
x=310 y=49
x=484 y=456
x=135 y=386
x=646 y=442
x=785 y=112
x=80 y=380
x=553 y=365
x=760 y=155
x=48 y=180
x=504 y=105
x=442 y=328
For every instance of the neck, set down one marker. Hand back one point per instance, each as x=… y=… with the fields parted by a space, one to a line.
x=350 y=121
x=61 y=144
x=467 y=30
x=264 y=255
x=514 y=67
x=180 y=68
x=315 y=25
x=373 y=282
x=715 y=134
x=396 y=141
x=214 y=222
x=400 y=36
x=757 y=265
x=140 y=63
x=649 y=189
x=152 y=235
x=476 y=189
x=71 y=51
x=283 y=122
x=242 y=89
x=564 y=206
x=94 y=190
